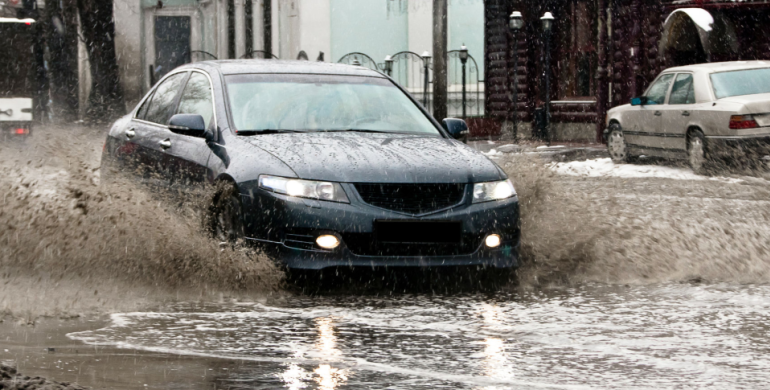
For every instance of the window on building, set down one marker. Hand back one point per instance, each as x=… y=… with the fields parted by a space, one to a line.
x=578 y=50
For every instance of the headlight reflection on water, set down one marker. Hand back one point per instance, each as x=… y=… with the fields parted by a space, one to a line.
x=325 y=375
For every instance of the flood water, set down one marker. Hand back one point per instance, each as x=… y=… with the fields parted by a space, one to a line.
x=679 y=335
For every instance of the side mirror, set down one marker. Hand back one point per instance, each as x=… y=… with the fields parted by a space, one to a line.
x=639 y=101
x=457 y=128
x=188 y=124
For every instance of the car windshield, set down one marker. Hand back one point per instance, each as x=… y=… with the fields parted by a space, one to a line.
x=741 y=82
x=291 y=102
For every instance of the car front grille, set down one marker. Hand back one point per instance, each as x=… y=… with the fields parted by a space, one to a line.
x=364 y=244
x=411 y=198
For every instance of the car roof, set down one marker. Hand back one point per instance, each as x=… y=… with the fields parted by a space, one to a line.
x=712 y=67
x=228 y=67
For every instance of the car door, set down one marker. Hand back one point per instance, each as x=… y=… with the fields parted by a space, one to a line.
x=124 y=145
x=188 y=156
x=677 y=113
x=642 y=126
x=153 y=136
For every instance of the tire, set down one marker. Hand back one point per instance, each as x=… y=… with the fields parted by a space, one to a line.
x=616 y=145
x=226 y=214
x=697 y=156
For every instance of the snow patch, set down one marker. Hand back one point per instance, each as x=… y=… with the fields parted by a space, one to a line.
x=604 y=167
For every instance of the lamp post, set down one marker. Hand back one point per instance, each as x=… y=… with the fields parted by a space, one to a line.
x=515 y=23
x=426 y=64
x=389 y=65
x=463 y=60
x=547 y=20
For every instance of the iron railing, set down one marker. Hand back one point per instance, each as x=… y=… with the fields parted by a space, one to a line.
x=409 y=70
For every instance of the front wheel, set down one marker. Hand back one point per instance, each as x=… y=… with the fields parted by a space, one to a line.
x=696 y=152
x=226 y=214
x=616 y=145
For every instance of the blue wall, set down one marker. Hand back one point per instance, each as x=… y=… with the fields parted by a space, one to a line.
x=375 y=27
x=466 y=25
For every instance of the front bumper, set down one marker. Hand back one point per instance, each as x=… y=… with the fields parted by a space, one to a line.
x=286 y=228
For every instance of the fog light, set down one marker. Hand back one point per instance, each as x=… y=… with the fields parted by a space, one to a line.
x=493 y=241
x=327 y=241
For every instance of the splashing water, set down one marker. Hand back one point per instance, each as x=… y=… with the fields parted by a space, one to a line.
x=63 y=232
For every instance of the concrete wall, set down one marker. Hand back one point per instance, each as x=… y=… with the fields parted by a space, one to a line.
x=128 y=45
x=315 y=28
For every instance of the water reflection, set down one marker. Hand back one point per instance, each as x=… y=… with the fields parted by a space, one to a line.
x=295 y=376
x=325 y=376
x=496 y=363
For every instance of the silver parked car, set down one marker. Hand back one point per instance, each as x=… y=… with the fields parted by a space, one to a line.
x=696 y=112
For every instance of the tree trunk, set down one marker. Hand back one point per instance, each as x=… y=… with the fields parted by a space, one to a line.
x=61 y=32
x=98 y=27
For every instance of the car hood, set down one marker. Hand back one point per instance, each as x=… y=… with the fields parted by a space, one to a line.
x=378 y=158
x=755 y=104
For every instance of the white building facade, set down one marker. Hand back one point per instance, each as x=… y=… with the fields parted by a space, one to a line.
x=153 y=37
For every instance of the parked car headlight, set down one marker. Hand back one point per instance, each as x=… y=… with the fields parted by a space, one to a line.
x=493 y=190
x=321 y=190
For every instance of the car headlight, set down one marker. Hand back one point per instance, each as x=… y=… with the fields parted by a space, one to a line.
x=493 y=190
x=321 y=190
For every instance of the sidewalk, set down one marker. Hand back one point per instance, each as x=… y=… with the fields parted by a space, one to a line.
x=558 y=151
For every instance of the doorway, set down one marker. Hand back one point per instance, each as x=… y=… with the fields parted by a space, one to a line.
x=172 y=43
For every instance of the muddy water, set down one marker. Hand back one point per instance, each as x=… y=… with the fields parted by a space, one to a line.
x=625 y=283
x=592 y=336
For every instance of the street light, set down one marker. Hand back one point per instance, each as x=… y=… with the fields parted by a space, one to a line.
x=388 y=65
x=463 y=60
x=426 y=63
x=547 y=20
x=515 y=23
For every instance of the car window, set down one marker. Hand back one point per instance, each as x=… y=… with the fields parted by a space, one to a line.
x=657 y=92
x=196 y=98
x=303 y=102
x=142 y=112
x=741 y=82
x=682 y=92
x=162 y=104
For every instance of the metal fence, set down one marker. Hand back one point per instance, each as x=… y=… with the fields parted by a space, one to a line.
x=409 y=70
x=359 y=59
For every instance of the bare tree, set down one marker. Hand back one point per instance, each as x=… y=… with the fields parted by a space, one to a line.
x=98 y=27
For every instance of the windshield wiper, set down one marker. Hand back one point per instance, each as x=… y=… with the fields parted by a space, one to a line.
x=266 y=131
x=355 y=130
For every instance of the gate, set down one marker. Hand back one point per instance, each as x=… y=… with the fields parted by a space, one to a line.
x=361 y=59
x=409 y=70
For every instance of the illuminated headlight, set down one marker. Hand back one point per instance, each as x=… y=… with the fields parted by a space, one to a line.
x=327 y=241
x=321 y=190
x=493 y=240
x=493 y=190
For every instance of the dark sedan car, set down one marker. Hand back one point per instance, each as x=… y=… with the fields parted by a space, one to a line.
x=322 y=165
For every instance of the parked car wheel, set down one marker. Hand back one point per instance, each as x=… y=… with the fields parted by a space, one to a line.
x=696 y=151
x=616 y=145
x=226 y=219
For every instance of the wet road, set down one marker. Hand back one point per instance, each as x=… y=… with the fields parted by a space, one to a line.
x=636 y=277
x=593 y=336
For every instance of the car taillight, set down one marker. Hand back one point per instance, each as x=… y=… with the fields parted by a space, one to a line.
x=738 y=122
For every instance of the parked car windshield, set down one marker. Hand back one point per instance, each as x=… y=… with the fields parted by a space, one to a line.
x=741 y=82
x=292 y=102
